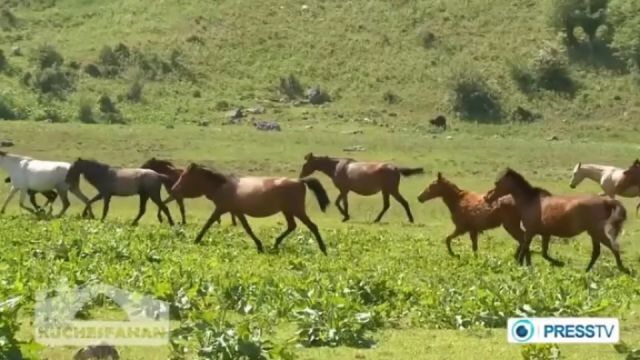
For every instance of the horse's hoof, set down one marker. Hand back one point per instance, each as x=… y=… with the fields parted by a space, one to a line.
x=345 y=219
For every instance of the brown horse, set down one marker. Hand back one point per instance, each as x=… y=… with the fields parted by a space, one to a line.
x=50 y=195
x=363 y=178
x=167 y=168
x=115 y=181
x=472 y=214
x=562 y=216
x=630 y=177
x=253 y=196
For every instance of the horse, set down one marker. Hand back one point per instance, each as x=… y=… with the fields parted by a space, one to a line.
x=253 y=196
x=173 y=173
x=27 y=173
x=563 y=216
x=115 y=181
x=363 y=178
x=471 y=214
x=608 y=177
x=50 y=195
x=630 y=177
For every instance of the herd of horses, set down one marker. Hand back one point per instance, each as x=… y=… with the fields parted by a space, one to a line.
x=522 y=209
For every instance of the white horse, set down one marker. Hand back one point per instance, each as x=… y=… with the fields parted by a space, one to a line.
x=30 y=174
x=607 y=176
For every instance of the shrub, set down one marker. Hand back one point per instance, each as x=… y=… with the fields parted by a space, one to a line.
x=53 y=80
x=426 y=37
x=48 y=113
x=474 y=99
x=109 y=113
x=390 y=97
x=85 y=112
x=566 y=15
x=540 y=352
x=4 y=64
x=549 y=70
x=7 y=111
x=291 y=87
x=623 y=14
x=7 y=19
x=46 y=56
x=134 y=94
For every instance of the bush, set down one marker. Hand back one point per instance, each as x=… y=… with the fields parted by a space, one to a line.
x=7 y=111
x=85 y=112
x=48 y=113
x=134 y=94
x=291 y=87
x=109 y=113
x=46 y=56
x=623 y=14
x=7 y=19
x=474 y=99
x=549 y=70
x=4 y=64
x=566 y=15
x=53 y=80
x=426 y=37
x=390 y=97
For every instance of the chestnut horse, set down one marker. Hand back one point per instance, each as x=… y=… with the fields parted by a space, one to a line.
x=472 y=214
x=563 y=216
x=630 y=177
x=253 y=196
x=363 y=178
x=167 y=168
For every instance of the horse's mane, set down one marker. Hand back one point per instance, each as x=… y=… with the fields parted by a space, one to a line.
x=213 y=174
x=96 y=163
x=161 y=162
x=449 y=183
x=526 y=185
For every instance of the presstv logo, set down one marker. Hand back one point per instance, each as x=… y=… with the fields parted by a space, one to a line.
x=563 y=330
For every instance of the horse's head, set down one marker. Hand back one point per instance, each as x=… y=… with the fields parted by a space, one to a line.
x=73 y=174
x=309 y=165
x=505 y=185
x=436 y=189
x=577 y=176
x=157 y=165
x=195 y=181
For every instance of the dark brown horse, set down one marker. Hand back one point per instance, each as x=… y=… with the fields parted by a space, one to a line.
x=471 y=214
x=563 y=216
x=173 y=173
x=253 y=196
x=363 y=178
x=115 y=181
x=50 y=195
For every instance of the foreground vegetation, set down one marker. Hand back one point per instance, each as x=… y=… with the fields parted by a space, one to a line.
x=382 y=292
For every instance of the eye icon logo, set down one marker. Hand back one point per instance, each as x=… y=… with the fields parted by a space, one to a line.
x=522 y=330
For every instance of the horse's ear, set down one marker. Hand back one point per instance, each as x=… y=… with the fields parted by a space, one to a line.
x=439 y=175
x=579 y=164
x=636 y=162
x=308 y=157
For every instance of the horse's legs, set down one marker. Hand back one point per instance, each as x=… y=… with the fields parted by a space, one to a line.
x=516 y=233
x=182 y=212
x=396 y=195
x=339 y=197
x=314 y=229
x=64 y=197
x=291 y=225
x=23 y=197
x=12 y=193
x=456 y=232
x=637 y=207
x=143 y=207
x=524 y=253
x=155 y=197
x=474 y=241
x=595 y=253
x=606 y=241
x=385 y=206
x=233 y=220
x=87 y=203
x=545 y=252
x=214 y=216
x=105 y=209
x=32 y=199
x=345 y=206
x=247 y=228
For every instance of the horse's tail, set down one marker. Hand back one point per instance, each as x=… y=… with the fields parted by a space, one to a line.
x=613 y=225
x=318 y=190
x=410 y=171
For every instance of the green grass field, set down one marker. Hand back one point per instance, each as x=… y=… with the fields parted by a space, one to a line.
x=429 y=304
x=386 y=291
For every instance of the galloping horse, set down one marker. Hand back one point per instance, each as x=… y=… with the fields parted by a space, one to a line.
x=50 y=195
x=363 y=178
x=563 y=216
x=27 y=174
x=253 y=196
x=115 y=181
x=608 y=177
x=630 y=177
x=471 y=214
x=167 y=168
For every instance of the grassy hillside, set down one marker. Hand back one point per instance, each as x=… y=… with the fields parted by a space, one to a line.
x=401 y=56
